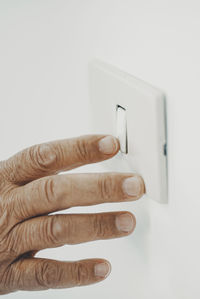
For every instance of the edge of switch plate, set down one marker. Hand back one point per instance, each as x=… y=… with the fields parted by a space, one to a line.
x=127 y=77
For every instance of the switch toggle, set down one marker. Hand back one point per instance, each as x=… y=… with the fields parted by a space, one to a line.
x=121 y=127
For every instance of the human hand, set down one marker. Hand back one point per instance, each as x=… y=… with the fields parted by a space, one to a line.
x=30 y=189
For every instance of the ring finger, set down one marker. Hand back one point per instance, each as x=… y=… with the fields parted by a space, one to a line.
x=56 y=230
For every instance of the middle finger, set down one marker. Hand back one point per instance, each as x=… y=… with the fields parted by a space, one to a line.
x=59 y=192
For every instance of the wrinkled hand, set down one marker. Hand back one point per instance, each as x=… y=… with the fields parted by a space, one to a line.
x=30 y=189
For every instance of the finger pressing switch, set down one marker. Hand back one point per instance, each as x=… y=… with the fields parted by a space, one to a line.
x=122 y=128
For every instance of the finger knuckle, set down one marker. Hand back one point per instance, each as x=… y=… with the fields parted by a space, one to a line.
x=49 y=274
x=50 y=230
x=43 y=155
x=68 y=230
x=54 y=230
x=58 y=229
x=106 y=186
x=80 y=273
x=49 y=190
x=100 y=226
x=82 y=150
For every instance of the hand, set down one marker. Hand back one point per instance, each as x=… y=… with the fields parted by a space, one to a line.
x=30 y=189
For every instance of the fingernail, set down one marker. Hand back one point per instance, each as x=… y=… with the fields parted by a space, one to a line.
x=102 y=269
x=108 y=145
x=125 y=222
x=132 y=186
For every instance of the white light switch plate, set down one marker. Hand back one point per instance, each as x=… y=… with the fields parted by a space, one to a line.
x=145 y=113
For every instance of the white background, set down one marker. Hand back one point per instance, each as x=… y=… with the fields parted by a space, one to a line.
x=45 y=47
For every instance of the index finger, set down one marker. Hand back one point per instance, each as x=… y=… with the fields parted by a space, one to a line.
x=52 y=157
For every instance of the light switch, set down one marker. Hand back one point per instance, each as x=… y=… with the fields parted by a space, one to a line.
x=135 y=112
x=121 y=128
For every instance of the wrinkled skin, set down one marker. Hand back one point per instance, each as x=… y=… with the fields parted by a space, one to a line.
x=31 y=189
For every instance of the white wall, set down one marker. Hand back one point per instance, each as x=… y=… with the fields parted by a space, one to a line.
x=45 y=46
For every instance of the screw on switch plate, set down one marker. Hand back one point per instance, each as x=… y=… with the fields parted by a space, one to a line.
x=121 y=125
